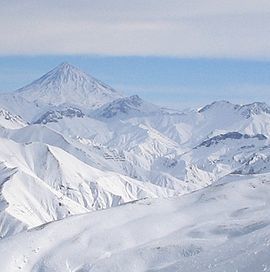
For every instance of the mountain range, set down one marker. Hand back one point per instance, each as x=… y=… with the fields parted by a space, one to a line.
x=130 y=185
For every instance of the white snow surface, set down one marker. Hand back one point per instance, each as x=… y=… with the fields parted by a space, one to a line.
x=64 y=85
x=224 y=227
x=71 y=146
x=11 y=121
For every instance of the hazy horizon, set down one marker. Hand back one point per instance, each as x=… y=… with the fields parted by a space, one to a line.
x=173 y=82
x=176 y=53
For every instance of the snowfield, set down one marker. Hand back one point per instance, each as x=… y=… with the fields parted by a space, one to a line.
x=92 y=180
x=224 y=227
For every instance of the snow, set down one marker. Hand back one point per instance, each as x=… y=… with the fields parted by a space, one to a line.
x=130 y=185
x=67 y=84
x=224 y=227
x=64 y=85
x=125 y=106
x=45 y=183
x=8 y=120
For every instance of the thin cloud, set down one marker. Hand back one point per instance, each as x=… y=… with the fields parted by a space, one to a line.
x=188 y=28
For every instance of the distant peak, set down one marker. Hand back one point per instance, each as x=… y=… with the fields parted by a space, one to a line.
x=254 y=109
x=256 y=105
x=246 y=110
x=125 y=106
x=135 y=98
x=131 y=101
x=231 y=136
x=218 y=105
x=62 y=76
x=67 y=84
x=66 y=66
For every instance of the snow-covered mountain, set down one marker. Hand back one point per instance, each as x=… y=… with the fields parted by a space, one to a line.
x=42 y=183
x=9 y=120
x=70 y=145
x=64 y=85
x=126 y=107
x=53 y=115
x=224 y=227
x=67 y=84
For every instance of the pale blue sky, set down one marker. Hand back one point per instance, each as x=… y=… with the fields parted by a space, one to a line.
x=169 y=81
x=175 y=52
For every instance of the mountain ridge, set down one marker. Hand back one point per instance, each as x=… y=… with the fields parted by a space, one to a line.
x=68 y=159
x=63 y=83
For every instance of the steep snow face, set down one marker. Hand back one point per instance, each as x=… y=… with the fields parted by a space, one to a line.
x=19 y=106
x=219 y=106
x=224 y=227
x=11 y=121
x=67 y=84
x=251 y=118
x=231 y=135
x=255 y=108
x=225 y=154
x=64 y=85
x=183 y=151
x=126 y=107
x=124 y=150
x=54 y=115
x=41 y=183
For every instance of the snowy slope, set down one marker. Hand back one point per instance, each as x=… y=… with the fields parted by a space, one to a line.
x=169 y=149
x=224 y=227
x=158 y=146
x=10 y=121
x=41 y=183
x=81 y=146
x=126 y=107
x=67 y=84
x=64 y=85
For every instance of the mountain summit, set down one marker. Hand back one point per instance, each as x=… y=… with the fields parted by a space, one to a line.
x=126 y=106
x=66 y=84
